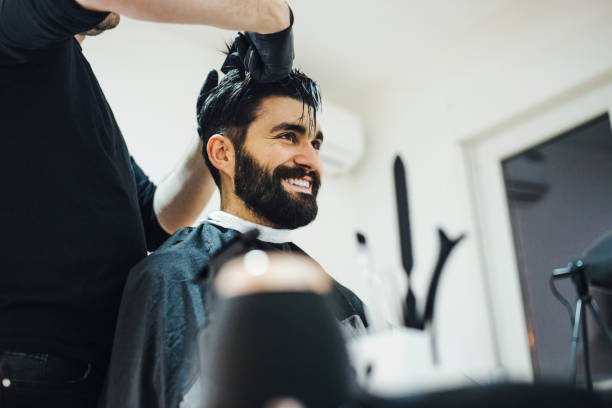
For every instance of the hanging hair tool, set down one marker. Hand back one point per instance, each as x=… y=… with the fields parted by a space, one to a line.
x=411 y=316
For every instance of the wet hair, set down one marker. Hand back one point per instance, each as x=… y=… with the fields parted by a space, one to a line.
x=232 y=106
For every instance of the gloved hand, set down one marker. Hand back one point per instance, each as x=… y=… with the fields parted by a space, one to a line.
x=267 y=57
x=211 y=81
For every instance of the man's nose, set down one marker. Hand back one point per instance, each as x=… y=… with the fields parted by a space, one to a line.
x=308 y=158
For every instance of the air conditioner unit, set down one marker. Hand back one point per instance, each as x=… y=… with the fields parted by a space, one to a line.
x=344 y=139
x=526 y=179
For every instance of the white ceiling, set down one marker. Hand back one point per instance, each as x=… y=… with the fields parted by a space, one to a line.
x=357 y=42
x=354 y=47
x=351 y=43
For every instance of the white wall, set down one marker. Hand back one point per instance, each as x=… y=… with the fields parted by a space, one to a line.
x=495 y=76
x=490 y=76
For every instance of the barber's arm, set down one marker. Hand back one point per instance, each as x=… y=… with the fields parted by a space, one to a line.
x=183 y=194
x=30 y=25
x=262 y=16
x=177 y=201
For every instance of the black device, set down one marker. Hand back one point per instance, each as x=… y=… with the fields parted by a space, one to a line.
x=412 y=318
x=593 y=267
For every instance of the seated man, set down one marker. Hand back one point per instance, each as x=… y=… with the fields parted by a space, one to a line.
x=261 y=144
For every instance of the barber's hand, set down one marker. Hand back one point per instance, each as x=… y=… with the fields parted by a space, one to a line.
x=211 y=81
x=267 y=57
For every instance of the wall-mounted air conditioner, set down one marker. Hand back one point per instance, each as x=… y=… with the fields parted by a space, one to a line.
x=344 y=139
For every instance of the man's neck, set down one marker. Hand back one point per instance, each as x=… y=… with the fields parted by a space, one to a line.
x=266 y=234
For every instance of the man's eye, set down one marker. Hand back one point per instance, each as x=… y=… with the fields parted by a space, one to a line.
x=288 y=136
x=317 y=145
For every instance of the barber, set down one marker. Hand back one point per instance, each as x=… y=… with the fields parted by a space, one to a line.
x=76 y=210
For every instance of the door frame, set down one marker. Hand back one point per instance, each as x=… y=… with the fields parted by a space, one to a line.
x=484 y=154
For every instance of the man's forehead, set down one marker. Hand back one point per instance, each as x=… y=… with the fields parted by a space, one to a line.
x=277 y=111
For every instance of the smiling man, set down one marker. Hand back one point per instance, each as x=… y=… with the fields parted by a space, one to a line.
x=261 y=144
x=271 y=178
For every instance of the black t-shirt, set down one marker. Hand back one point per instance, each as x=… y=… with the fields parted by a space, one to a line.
x=76 y=211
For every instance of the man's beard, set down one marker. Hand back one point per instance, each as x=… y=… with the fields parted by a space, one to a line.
x=264 y=194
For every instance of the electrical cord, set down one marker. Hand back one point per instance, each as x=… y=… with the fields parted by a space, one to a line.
x=561 y=299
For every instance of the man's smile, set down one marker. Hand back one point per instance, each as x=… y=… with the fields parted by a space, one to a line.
x=301 y=185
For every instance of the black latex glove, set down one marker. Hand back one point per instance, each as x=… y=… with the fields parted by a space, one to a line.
x=267 y=57
x=211 y=81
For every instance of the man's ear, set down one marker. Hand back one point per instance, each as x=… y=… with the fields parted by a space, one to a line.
x=221 y=154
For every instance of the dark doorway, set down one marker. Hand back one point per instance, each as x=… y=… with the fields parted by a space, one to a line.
x=560 y=199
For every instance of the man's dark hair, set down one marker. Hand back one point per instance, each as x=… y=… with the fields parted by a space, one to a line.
x=232 y=106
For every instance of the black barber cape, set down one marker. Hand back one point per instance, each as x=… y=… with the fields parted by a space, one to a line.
x=155 y=355
x=76 y=212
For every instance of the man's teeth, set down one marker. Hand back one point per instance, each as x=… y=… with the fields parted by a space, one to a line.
x=298 y=182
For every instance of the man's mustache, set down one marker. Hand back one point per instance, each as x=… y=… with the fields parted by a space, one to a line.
x=283 y=172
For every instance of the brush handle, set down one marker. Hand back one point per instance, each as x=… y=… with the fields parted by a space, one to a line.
x=403 y=214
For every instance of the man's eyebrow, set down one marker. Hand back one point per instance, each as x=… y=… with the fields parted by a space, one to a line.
x=289 y=126
x=295 y=128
